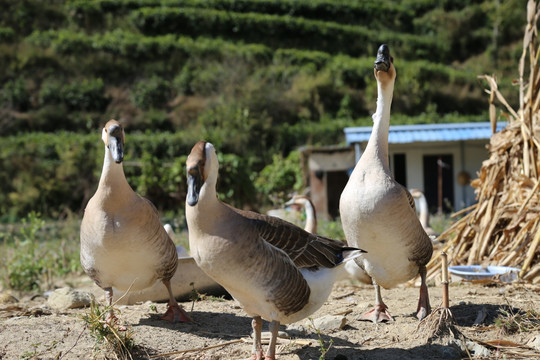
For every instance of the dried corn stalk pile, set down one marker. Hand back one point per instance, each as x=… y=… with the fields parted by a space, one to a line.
x=503 y=227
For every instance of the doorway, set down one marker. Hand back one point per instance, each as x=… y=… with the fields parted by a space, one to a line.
x=432 y=165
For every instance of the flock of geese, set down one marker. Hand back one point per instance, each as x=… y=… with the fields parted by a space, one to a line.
x=277 y=271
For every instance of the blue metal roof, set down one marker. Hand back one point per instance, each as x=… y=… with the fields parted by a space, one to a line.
x=400 y=134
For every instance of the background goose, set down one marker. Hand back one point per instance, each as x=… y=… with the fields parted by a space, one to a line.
x=423 y=211
x=276 y=270
x=311 y=215
x=123 y=244
x=378 y=214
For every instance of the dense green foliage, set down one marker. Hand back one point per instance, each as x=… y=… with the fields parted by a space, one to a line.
x=257 y=78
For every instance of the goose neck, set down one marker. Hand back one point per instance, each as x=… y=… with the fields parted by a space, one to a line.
x=113 y=176
x=378 y=141
x=423 y=210
x=311 y=218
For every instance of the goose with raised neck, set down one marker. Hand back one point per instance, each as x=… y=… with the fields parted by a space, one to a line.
x=378 y=214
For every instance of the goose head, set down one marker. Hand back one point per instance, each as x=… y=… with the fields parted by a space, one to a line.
x=384 y=65
x=297 y=200
x=202 y=169
x=415 y=193
x=114 y=137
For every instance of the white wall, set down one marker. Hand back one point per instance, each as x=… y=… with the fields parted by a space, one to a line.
x=467 y=156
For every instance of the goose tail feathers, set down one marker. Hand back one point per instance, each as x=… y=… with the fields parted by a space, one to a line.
x=350 y=253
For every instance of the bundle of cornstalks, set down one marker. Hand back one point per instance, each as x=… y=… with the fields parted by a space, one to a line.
x=503 y=227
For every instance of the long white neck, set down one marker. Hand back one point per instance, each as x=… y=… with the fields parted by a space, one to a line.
x=112 y=176
x=424 y=212
x=311 y=217
x=378 y=142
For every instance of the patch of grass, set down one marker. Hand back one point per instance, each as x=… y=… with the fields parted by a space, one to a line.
x=38 y=252
x=510 y=321
x=107 y=334
x=440 y=222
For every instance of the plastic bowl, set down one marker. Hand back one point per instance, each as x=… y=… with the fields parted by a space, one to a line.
x=478 y=272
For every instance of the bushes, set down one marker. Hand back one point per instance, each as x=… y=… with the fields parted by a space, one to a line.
x=151 y=93
x=6 y=34
x=58 y=173
x=279 y=178
x=14 y=95
x=87 y=94
x=282 y=31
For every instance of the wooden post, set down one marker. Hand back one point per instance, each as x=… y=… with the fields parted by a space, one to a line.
x=446 y=301
x=439 y=186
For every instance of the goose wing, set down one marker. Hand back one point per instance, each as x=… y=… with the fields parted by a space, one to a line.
x=159 y=239
x=421 y=249
x=410 y=198
x=305 y=249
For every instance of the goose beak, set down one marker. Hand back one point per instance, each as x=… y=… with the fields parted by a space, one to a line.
x=116 y=143
x=195 y=183
x=383 y=60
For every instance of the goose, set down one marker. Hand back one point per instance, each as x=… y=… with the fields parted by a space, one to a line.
x=123 y=244
x=311 y=215
x=423 y=212
x=378 y=214
x=274 y=269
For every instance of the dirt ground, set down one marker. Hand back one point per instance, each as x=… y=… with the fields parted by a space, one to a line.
x=31 y=330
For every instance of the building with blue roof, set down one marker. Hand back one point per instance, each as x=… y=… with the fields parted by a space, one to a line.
x=420 y=157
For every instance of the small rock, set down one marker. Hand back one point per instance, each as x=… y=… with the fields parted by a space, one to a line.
x=330 y=322
x=478 y=350
x=68 y=298
x=6 y=298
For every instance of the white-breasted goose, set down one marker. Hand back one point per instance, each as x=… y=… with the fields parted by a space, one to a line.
x=274 y=269
x=123 y=243
x=378 y=214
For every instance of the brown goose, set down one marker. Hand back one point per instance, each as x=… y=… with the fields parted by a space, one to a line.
x=378 y=214
x=276 y=270
x=123 y=244
x=311 y=215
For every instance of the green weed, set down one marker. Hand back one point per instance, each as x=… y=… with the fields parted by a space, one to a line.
x=36 y=252
x=106 y=332
x=323 y=346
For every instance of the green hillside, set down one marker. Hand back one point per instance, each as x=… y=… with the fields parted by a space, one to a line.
x=258 y=78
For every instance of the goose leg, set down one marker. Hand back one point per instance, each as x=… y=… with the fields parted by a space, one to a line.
x=110 y=318
x=379 y=313
x=109 y=297
x=423 y=302
x=271 y=352
x=257 y=351
x=175 y=313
